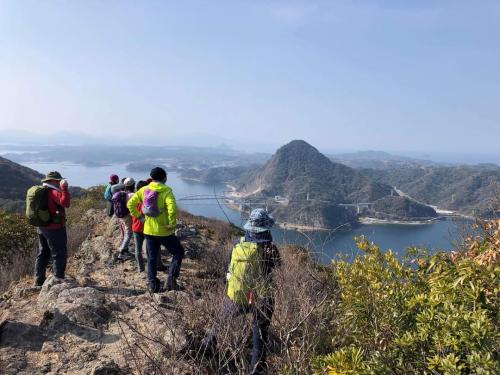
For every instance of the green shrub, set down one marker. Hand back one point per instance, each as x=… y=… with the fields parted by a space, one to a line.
x=425 y=314
x=90 y=199
x=17 y=236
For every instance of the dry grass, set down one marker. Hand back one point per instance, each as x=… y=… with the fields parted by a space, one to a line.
x=298 y=328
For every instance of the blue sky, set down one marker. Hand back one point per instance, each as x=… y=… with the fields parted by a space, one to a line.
x=344 y=75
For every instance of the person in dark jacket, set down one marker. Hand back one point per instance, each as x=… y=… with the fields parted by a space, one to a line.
x=257 y=231
x=52 y=239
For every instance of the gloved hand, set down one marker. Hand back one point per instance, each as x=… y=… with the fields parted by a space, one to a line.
x=63 y=184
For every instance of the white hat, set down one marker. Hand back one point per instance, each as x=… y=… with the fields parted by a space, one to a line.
x=129 y=181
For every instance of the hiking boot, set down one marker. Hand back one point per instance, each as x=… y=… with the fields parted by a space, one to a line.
x=124 y=256
x=172 y=285
x=157 y=290
x=39 y=282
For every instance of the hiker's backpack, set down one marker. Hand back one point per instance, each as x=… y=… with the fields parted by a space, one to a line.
x=246 y=277
x=150 y=203
x=107 y=192
x=37 y=206
x=119 y=200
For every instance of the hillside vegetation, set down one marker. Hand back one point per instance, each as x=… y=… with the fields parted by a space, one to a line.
x=15 y=180
x=434 y=314
x=472 y=190
x=314 y=186
x=401 y=208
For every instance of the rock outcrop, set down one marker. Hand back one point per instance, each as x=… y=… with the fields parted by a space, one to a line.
x=90 y=322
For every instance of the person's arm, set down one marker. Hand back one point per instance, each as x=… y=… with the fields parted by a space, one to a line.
x=171 y=209
x=133 y=203
x=63 y=197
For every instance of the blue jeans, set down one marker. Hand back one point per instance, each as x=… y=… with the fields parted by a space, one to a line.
x=139 y=242
x=174 y=247
x=52 y=244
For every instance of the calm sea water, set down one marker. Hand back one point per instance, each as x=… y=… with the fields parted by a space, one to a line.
x=440 y=235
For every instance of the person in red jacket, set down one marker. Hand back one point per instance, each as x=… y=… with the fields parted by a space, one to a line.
x=138 y=229
x=52 y=239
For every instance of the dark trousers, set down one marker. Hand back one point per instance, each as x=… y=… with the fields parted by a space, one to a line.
x=139 y=240
x=174 y=247
x=261 y=314
x=52 y=244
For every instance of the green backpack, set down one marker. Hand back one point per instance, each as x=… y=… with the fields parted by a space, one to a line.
x=245 y=273
x=37 y=206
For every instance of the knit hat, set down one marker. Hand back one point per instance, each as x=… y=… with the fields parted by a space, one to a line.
x=129 y=181
x=140 y=184
x=52 y=176
x=114 y=179
x=158 y=174
x=259 y=221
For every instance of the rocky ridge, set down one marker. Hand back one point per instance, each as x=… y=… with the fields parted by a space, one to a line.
x=96 y=320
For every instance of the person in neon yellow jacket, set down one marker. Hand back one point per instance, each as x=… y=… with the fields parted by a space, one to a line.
x=159 y=227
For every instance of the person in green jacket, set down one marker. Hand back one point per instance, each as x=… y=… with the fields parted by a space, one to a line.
x=159 y=214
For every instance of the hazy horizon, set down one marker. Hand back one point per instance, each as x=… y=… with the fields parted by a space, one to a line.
x=410 y=78
x=456 y=157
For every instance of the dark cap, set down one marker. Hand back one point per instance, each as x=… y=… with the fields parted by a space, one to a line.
x=52 y=176
x=158 y=174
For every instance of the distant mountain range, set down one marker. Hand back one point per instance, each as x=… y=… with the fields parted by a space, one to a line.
x=379 y=160
x=298 y=170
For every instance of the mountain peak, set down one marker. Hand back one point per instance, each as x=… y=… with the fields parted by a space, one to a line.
x=297 y=144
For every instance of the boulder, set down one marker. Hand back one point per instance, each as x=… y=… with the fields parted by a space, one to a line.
x=65 y=301
x=50 y=292
x=83 y=305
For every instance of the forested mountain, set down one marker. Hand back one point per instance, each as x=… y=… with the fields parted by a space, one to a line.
x=15 y=179
x=473 y=190
x=298 y=169
x=313 y=187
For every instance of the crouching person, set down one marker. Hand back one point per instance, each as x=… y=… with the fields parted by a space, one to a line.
x=45 y=209
x=249 y=287
x=159 y=214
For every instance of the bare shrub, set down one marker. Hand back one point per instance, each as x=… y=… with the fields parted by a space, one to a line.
x=298 y=328
x=17 y=248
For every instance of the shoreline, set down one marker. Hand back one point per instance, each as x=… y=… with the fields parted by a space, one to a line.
x=375 y=221
x=362 y=220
